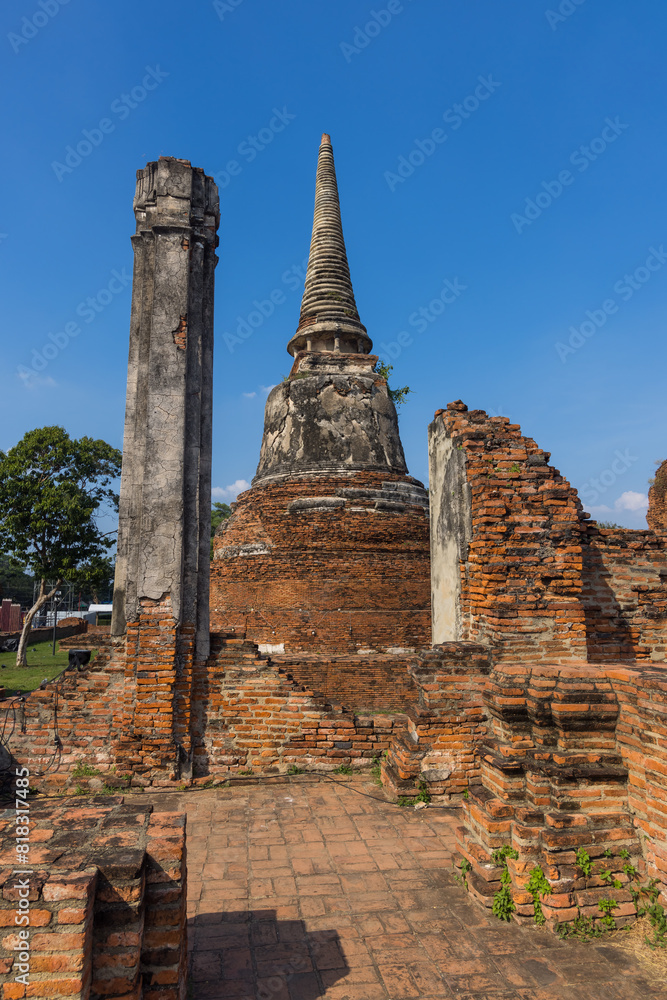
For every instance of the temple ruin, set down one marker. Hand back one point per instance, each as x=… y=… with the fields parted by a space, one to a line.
x=329 y=549
x=535 y=698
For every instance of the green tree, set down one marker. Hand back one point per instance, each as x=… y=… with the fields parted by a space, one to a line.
x=14 y=581
x=94 y=579
x=219 y=513
x=398 y=396
x=52 y=489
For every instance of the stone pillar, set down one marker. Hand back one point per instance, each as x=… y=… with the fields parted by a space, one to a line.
x=163 y=562
x=166 y=480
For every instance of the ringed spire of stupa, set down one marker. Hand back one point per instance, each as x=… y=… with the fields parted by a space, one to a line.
x=329 y=319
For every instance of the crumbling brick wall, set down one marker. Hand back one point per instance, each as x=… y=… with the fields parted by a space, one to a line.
x=107 y=902
x=146 y=720
x=518 y=564
x=507 y=534
x=656 y=516
x=446 y=722
x=575 y=759
x=371 y=681
x=253 y=715
x=326 y=563
x=625 y=595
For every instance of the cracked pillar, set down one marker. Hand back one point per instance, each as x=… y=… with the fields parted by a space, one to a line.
x=163 y=564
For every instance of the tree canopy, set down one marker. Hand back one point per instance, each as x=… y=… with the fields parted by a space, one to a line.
x=219 y=513
x=52 y=490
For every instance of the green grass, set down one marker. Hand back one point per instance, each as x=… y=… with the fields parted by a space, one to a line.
x=41 y=664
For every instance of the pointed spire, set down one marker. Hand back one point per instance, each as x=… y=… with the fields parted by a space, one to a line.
x=329 y=319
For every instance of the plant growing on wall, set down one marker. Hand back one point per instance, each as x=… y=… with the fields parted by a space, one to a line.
x=538 y=886
x=503 y=904
x=398 y=396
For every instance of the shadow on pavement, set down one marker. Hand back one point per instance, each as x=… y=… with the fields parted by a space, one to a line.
x=251 y=955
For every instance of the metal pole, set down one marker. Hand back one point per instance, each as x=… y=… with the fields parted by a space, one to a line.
x=54 y=605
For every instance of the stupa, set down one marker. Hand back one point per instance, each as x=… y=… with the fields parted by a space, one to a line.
x=329 y=548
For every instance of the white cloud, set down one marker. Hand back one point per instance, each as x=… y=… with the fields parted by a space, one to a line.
x=230 y=492
x=37 y=381
x=600 y=511
x=628 y=509
x=632 y=501
x=249 y=395
x=266 y=389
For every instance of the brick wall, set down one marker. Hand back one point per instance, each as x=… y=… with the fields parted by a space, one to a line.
x=253 y=715
x=326 y=563
x=656 y=515
x=575 y=758
x=151 y=720
x=107 y=898
x=521 y=567
x=372 y=681
x=534 y=577
x=446 y=722
x=625 y=595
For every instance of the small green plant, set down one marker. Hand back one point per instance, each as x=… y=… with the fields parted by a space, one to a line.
x=397 y=396
x=503 y=905
x=81 y=791
x=538 y=886
x=499 y=856
x=462 y=879
x=376 y=771
x=630 y=871
x=608 y=853
x=466 y=793
x=293 y=769
x=658 y=919
x=582 y=928
x=653 y=910
x=424 y=795
x=514 y=468
x=343 y=769
x=608 y=906
x=584 y=862
x=624 y=853
x=248 y=770
x=84 y=770
x=609 y=878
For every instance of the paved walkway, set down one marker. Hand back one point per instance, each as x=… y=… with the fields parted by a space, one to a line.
x=308 y=889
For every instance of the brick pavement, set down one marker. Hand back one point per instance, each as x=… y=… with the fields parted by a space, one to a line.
x=305 y=889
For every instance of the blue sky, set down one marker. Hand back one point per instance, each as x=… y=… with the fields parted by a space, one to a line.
x=540 y=198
